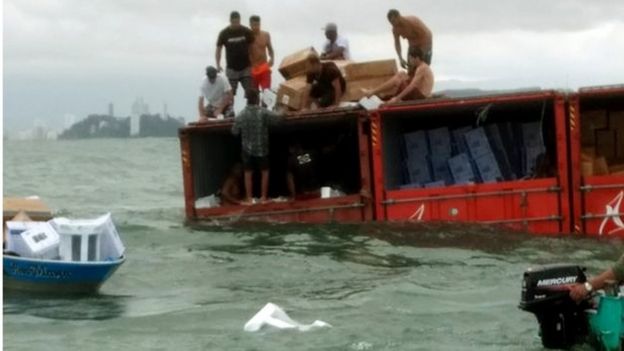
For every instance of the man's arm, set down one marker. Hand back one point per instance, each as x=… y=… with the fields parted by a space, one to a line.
x=225 y=102
x=413 y=86
x=218 y=57
x=578 y=292
x=200 y=108
x=270 y=49
x=226 y=191
x=337 y=92
x=334 y=54
x=397 y=47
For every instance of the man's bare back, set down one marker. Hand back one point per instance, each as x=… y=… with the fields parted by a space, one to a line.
x=415 y=31
x=424 y=78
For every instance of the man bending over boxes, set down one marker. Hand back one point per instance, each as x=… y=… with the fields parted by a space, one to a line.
x=416 y=83
x=415 y=31
x=328 y=84
x=215 y=99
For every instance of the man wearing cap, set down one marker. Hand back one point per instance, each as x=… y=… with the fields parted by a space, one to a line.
x=415 y=31
x=336 y=47
x=236 y=38
x=260 y=63
x=215 y=96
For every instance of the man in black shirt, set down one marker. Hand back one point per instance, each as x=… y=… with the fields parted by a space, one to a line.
x=328 y=84
x=236 y=38
x=301 y=177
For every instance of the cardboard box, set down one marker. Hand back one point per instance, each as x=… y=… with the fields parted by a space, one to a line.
x=531 y=155
x=500 y=152
x=440 y=169
x=600 y=166
x=292 y=92
x=616 y=168
x=488 y=168
x=461 y=169
x=587 y=168
x=296 y=64
x=438 y=184
x=342 y=65
x=416 y=144
x=532 y=135
x=477 y=142
x=418 y=169
x=370 y=69
x=459 y=142
x=355 y=89
x=440 y=142
x=605 y=144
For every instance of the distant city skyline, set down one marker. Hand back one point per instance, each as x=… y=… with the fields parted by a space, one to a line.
x=75 y=57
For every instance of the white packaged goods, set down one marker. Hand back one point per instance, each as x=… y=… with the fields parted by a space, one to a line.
x=89 y=239
x=208 y=202
x=40 y=241
x=14 y=229
x=272 y=315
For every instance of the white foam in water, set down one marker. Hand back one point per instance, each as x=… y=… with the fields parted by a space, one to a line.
x=271 y=315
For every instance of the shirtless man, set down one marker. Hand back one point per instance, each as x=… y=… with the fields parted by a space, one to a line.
x=416 y=83
x=260 y=66
x=416 y=33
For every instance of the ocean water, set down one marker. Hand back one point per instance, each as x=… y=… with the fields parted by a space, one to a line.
x=381 y=287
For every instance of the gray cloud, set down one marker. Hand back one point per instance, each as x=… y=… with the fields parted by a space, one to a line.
x=75 y=56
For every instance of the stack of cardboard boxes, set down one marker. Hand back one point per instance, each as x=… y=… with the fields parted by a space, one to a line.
x=466 y=155
x=602 y=142
x=360 y=77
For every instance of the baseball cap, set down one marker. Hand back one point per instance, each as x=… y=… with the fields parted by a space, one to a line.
x=211 y=72
x=330 y=27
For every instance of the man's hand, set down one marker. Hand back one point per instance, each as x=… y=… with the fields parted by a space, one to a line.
x=403 y=62
x=578 y=292
x=394 y=100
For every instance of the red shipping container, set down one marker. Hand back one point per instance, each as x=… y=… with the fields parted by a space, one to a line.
x=596 y=199
x=539 y=205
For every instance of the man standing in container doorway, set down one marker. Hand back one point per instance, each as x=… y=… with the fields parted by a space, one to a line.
x=253 y=123
x=260 y=63
x=236 y=38
x=415 y=31
x=336 y=47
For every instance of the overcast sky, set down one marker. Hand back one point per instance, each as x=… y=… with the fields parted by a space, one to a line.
x=74 y=56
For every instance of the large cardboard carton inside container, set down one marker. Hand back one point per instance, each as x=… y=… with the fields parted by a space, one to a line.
x=593 y=120
x=356 y=89
x=342 y=66
x=296 y=64
x=605 y=143
x=291 y=93
x=370 y=69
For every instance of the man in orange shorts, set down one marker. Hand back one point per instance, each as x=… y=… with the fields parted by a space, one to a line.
x=260 y=65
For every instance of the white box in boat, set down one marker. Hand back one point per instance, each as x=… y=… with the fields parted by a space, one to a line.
x=89 y=240
x=14 y=229
x=40 y=241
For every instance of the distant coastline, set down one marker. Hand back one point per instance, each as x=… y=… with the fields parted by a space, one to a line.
x=106 y=126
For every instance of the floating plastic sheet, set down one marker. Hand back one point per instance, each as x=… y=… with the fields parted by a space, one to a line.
x=273 y=316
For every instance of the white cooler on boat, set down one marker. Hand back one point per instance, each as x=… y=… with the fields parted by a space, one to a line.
x=89 y=240
x=14 y=230
x=40 y=240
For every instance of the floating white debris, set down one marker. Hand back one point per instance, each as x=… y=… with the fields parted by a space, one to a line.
x=272 y=315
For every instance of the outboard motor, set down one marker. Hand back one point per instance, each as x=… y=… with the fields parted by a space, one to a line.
x=562 y=321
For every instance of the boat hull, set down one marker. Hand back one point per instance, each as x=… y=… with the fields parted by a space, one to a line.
x=48 y=276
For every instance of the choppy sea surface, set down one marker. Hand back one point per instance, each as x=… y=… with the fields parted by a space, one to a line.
x=381 y=287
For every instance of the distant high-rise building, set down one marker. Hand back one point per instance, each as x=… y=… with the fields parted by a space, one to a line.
x=139 y=108
x=111 y=109
x=165 y=111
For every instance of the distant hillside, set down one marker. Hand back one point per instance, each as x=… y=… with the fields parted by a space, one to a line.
x=104 y=126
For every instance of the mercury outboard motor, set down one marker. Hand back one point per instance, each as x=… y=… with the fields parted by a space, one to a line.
x=562 y=321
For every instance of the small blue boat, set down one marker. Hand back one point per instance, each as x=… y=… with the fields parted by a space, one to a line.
x=55 y=276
